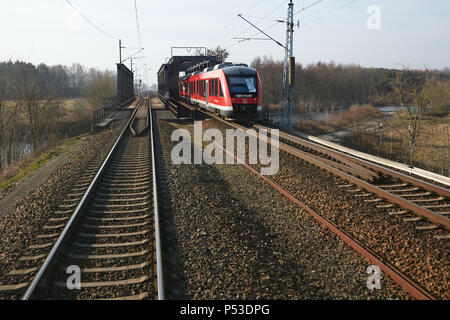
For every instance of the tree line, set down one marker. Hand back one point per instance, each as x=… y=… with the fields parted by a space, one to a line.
x=60 y=81
x=34 y=111
x=325 y=86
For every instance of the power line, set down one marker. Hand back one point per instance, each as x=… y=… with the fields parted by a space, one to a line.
x=243 y=32
x=263 y=32
x=137 y=23
x=277 y=22
x=320 y=9
x=330 y=12
x=90 y=22
x=307 y=7
x=255 y=5
x=303 y=25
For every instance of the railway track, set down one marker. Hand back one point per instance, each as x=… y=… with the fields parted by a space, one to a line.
x=399 y=194
x=417 y=201
x=108 y=248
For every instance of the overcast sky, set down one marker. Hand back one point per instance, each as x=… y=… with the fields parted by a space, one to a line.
x=412 y=33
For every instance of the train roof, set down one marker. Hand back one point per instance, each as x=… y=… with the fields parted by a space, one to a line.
x=229 y=70
x=239 y=71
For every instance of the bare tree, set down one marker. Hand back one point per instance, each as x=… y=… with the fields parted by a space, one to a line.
x=218 y=51
x=10 y=130
x=37 y=102
x=412 y=102
x=99 y=86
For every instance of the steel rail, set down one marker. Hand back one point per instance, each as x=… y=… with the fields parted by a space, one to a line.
x=331 y=153
x=434 y=217
x=159 y=268
x=412 y=287
x=386 y=171
x=55 y=249
x=415 y=289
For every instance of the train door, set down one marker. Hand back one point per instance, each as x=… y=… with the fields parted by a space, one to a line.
x=207 y=92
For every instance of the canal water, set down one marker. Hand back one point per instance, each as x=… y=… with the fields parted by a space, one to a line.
x=320 y=116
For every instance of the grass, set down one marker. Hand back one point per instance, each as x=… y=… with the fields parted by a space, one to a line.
x=432 y=150
x=355 y=116
x=31 y=164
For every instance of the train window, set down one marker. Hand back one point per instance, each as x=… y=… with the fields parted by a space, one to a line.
x=216 y=81
x=220 y=89
x=242 y=84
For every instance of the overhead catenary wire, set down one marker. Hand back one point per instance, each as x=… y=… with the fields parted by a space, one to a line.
x=307 y=7
x=261 y=19
x=330 y=12
x=319 y=8
x=90 y=22
x=305 y=24
x=137 y=23
x=276 y=23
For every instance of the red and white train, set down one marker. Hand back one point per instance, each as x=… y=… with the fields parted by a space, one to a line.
x=233 y=91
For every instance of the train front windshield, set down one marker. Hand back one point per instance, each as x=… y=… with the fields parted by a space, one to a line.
x=242 y=85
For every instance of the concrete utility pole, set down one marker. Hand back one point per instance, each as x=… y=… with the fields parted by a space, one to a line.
x=289 y=70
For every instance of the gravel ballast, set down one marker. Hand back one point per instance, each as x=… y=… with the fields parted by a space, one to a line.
x=416 y=253
x=238 y=238
x=20 y=227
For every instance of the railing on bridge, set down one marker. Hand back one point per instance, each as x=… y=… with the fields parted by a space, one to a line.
x=104 y=112
x=100 y=115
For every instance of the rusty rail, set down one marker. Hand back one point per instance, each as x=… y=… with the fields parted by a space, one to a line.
x=351 y=175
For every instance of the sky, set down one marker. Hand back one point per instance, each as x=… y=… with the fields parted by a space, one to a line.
x=371 y=33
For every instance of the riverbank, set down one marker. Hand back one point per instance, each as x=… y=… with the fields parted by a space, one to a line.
x=27 y=166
